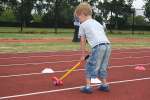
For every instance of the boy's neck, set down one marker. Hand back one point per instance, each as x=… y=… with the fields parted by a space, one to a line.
x=88 y=17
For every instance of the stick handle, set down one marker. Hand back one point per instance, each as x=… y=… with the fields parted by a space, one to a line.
x=73 y=68
x=70 y=70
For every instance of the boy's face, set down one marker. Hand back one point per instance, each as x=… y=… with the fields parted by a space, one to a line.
x=82 y=18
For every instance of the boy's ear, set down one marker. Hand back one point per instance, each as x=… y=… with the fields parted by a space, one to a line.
x=75 y=14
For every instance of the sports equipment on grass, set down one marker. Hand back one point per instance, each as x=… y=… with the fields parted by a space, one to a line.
x=59 y=81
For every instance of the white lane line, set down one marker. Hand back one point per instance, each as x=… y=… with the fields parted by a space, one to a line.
x=40 y=63
x=67 y=55
x=28 y=74
x=67 y=61
x=131 y=57
x=131 y=52
x=67 y=89
x=19 y=75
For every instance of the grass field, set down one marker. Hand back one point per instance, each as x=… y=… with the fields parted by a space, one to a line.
x=15 y=47
x=36 y=47
x=33 y=30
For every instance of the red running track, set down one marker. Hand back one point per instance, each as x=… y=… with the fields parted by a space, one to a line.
x=134 y=85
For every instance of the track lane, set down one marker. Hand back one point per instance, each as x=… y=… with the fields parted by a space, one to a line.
x=119 y=91
x=52 y=58
x=23 y=85
x=25 y=69
x=42 y=83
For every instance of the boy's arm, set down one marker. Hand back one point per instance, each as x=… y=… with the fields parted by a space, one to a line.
x=82 y=46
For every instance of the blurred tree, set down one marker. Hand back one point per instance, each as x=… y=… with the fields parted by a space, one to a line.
x=8 y=16
x=49 y=16
x=60 y=12
x=122 y=9
x=4 y=4
x=138 y=20
x=1 y=7
x=37 y=18
x=147 y=10
x=103 y=11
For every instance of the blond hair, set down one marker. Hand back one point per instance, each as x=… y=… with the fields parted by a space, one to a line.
x=83 y=8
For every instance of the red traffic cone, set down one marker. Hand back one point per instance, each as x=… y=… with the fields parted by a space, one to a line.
x=140 y=68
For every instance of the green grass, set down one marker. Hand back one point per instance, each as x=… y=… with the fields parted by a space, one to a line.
x=131 y=45
x=33 y=30
x=60 y=46
x=33 y=33
x=36 y=47
x=53 y=35
x=46 y=47
x=127 y=35
x=33 y=36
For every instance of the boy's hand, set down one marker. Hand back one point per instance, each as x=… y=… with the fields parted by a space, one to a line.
x=84 y=57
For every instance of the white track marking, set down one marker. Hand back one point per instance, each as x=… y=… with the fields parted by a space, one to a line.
x=67 y=89
x=131 y=57
x=66 y=55
x=20 y=75
x=40 y=63
x=78 y=51
x=65 y=61
x=28 y=74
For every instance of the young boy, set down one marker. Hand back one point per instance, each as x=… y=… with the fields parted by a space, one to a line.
x=93 y=32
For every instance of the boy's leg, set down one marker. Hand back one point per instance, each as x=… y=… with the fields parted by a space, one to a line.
x=93 y=66
x=90 y=70
x=93 y=63
x=88 y=82
x=103 y=69
x=87 y=88
x=104 y=65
